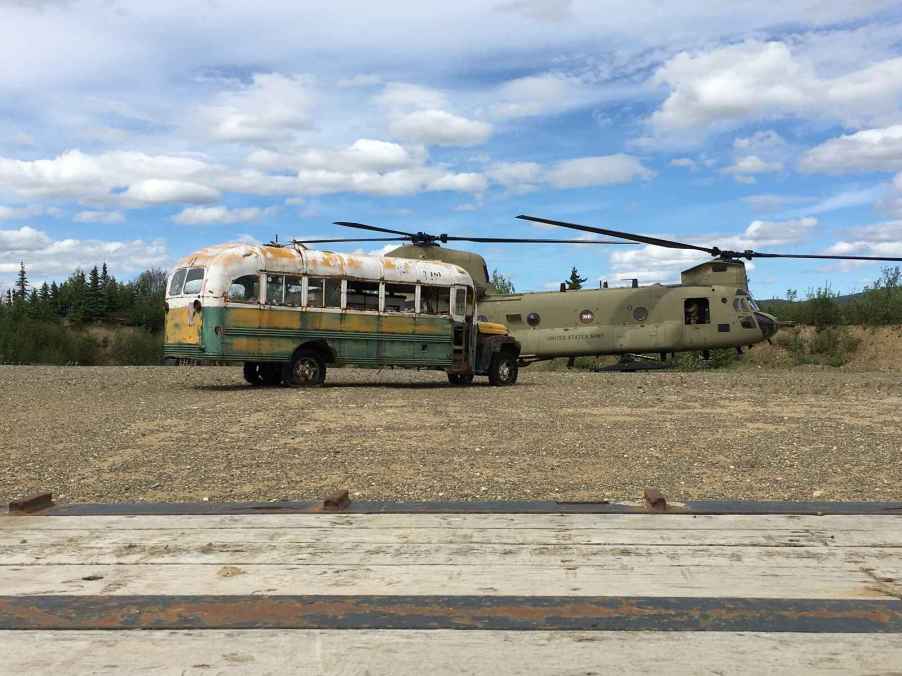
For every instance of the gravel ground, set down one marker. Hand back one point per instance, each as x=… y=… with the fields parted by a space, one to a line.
x=111 y=434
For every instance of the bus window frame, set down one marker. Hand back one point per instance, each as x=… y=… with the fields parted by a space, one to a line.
x=452 y=309
x=384 y=293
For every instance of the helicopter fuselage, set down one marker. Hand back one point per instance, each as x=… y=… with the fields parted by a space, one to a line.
x=655 y=318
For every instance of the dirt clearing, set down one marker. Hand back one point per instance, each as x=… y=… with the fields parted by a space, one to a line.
x=104 y=434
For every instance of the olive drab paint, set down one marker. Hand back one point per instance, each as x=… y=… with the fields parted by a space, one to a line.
x=710 y=308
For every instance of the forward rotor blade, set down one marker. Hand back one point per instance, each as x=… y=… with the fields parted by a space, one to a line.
x=374 y=228
x=623 y=235
x=510 y=240
x=353 y=239
x=756 y=254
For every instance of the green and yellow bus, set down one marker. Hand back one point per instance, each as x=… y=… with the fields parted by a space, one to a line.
x=288 y=312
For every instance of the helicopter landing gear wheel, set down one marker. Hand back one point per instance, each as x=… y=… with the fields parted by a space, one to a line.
x=252 y=373
x=460 y=378
x=307 y=369
x=503 y=370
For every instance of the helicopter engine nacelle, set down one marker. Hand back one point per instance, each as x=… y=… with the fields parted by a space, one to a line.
x=717 y=273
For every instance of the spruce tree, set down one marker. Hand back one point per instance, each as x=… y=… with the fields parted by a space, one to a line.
x=94 y=305
x=22 y=282
x=575 y=281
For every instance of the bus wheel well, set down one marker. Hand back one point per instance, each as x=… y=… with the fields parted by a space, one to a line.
x=320 y=346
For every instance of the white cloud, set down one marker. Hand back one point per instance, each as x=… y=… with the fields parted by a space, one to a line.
x=438 y=127
x=274 y=107
x=77 y=175
x=402 y=95
x=553 y=11
x=22 y=239
x=518 y=177
x=48 y=259
x=211 y=215
x=362 y=155
x=106 y=217
x=752 y=164
x=868 y=150
x=545 y=94
x=596 y=171
x=163 y=191
x=727 y=86
x=11 y=213
x=776 y=233
x=685 y=162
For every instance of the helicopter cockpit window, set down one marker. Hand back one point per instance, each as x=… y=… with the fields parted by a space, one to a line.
x=697 y=311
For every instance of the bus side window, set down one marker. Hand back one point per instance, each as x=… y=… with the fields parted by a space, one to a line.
x=315 y=291
x=435 y=300
x=400 y=297
x=245 y=289
x=293 y=290
x=362 y=295
x=275 y=289
x=333 y=293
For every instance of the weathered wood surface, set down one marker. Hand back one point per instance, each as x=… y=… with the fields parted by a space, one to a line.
x=830 y=557
x=403 y=653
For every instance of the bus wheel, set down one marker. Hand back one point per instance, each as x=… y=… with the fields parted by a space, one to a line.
x=252 y=372
x=271 y=374
x=503 y=370
x=460 y=378
x=307 y=369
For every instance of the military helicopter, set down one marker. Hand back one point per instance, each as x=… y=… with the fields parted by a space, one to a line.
x=711 y=308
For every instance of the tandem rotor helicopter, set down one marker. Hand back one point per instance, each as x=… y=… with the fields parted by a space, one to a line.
x=710 y=308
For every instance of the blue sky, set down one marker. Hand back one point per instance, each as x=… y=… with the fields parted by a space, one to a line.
x=134 y=133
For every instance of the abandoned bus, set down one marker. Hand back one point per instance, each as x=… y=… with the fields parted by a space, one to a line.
x=287 y=312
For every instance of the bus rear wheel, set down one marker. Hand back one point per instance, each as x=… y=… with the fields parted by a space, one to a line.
x=503 y=370
x=307 y=369
x=252 y=372
x=460 y=378
x=271 y=374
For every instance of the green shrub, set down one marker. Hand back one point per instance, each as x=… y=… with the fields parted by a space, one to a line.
x=831 y=346
x=30 y=341
x=137 y=348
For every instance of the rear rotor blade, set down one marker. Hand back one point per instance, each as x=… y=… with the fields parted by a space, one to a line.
x=624 y=235
x=374 y=228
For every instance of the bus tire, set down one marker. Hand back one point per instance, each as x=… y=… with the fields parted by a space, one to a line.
x=503 y=369
x=460 y=378
x=252 y=372
x=307 y=369
x=271 y=374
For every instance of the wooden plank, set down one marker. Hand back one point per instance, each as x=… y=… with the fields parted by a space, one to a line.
x=279 y=536
x=885 y=524
x=632 y=576
x=206 y=552
x=410 y=653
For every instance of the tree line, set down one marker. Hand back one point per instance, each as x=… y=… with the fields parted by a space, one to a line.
x=50 y=323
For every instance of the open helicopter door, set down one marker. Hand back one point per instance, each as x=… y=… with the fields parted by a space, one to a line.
x=696 y=321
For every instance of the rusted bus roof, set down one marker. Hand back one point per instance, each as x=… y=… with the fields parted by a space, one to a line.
x=225 y=262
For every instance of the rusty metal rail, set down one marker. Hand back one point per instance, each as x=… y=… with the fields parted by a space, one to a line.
x=450 y=612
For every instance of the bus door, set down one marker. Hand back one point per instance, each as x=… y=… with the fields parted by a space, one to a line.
x=463 y=325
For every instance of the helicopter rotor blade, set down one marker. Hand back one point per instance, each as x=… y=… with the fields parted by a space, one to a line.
x=374 y=228
x=761 y=254
x=515 y=240
x=623 y=235
x=352 y=239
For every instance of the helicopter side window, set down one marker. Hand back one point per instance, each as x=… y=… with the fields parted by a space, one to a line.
x=697 y=311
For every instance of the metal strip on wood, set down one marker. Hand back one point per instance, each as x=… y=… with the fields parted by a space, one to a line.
x=526 y=507
x=450 y=612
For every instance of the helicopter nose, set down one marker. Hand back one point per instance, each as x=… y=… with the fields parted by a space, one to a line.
x=766 y=323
